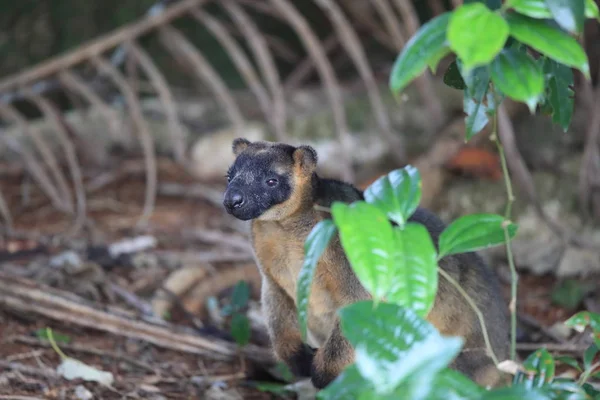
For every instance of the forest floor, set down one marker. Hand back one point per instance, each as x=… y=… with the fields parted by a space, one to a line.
x=188 y=230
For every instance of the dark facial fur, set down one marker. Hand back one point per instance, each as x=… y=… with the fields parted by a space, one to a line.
x=260 y=178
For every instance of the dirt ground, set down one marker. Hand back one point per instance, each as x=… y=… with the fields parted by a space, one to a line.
x=182 y=224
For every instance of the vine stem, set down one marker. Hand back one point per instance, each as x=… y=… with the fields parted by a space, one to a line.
x=507 y=215
x=477 y=311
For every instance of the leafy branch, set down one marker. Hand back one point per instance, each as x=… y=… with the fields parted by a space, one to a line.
x=523 y=50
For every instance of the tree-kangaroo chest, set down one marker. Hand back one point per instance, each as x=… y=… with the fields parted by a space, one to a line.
x=280 y=256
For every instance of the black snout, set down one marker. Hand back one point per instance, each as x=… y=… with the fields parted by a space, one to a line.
x=233 y=199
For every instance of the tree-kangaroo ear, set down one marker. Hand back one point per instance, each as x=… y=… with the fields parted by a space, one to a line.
x=306 y=158
x=239 y=145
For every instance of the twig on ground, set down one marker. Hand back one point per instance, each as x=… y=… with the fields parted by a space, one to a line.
x=82 y=349
x=26 y=296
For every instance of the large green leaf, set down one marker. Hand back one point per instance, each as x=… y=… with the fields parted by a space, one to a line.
x=476 y=34
x=549 y=41
x=517 y=75
x=474 y=232
x=412 y=350
x=450 y=384
x=539 y=370
x=414 y=277
x=569 y=14
x=348 y=385
x=370 y=325
x=367 y=238
x=539 y=8
x=397 y=194
x=414 y=372
x=421 y=50
x=314 y=246
x=560 y=93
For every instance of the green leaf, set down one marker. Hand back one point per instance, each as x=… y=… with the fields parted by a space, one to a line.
x=566 y=390
x=239 y=299
x=539 y=369
x=423 y=48
x=415 y=370
x=435 y=58
x=397 y=194
x=240 y=329
x=570 y=361
x=591 y=10
x=476 y=34
x=474 y=232
x=568 y=294
x=569 y=14
x=476 y=118
x=589 y=355
x=539 y=9
x=453 y=78
x=478 y=82
x=519 y=76
x=531 y=8
x=515 y=393
x=450 y=384
x=270 y=387
x=367 y=238
x=374 y=332
x=314 y=246
x=348 y=385
x=582 y=319
x=240 y=295
x=549 y=41
x=411 y=351
x=414 y=277
x=560 y=92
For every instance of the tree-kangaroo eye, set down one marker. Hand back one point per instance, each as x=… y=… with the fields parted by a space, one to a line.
x=272 y=182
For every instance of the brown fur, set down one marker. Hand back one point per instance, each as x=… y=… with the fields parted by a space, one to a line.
x=278 y=237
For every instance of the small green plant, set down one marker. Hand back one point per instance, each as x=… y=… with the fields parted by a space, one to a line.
x=398 y=264
x=239 y=325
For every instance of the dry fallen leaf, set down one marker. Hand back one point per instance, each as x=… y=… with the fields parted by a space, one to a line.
x=71 y=368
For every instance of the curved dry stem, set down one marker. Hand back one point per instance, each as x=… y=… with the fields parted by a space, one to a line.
x=5 y=211
x=162 y=87
x=98 y=46
x=53 y=117
x=409 y=16
x=72 y=82
x=242 y=63
x=327 y=74
x=423 y=82
x=142 y=129
x=476 y=310
x=64 y=193
x=354 y=48
x=361 y=16
x=391 y=22
x=177 y=44
x=265 y=61
x=39 y=174
x=306 y=66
